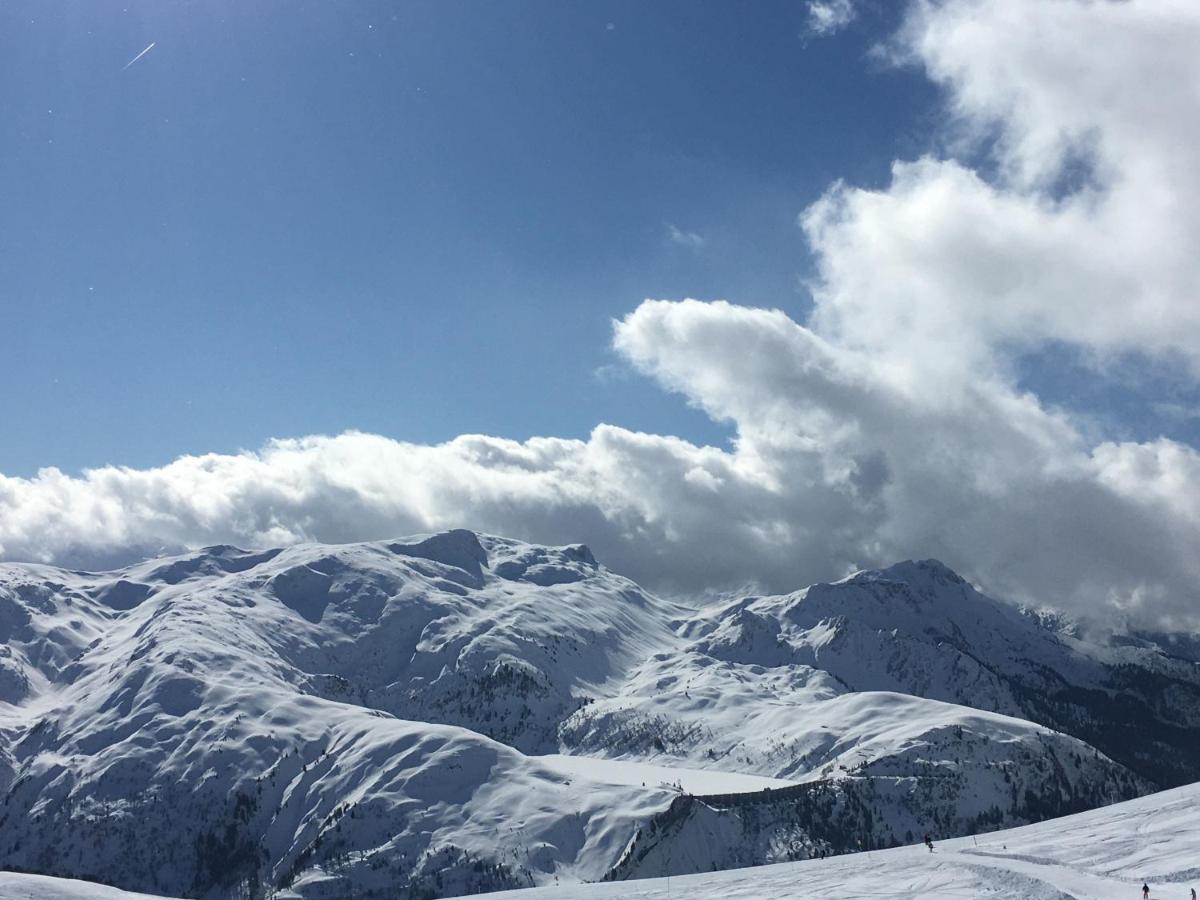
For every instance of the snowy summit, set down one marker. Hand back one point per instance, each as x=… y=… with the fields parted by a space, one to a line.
x=460 y=712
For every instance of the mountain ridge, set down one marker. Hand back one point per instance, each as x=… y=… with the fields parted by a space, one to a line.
x=334 y=719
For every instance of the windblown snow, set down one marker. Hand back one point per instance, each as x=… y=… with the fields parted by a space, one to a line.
x=455 y=713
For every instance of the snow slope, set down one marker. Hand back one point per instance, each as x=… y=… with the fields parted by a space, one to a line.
x=914 y=630
x=632 y=772
x=461 y=712
x=43 y=887
x=192 y=734
x=1103 y=854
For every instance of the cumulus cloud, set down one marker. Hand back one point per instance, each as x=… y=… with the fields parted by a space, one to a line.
x=888 y=425
x=1099 y=97
x=869 y=467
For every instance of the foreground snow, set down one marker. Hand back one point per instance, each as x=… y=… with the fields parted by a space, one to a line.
x=1097 y=855
x=1104 y=854
x=43 y=887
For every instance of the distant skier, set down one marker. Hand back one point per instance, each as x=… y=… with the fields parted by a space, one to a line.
x=1193 y=894
x=929 y=843
x=1145 y=891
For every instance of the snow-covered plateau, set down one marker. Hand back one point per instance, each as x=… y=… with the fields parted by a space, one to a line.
x=455 y=713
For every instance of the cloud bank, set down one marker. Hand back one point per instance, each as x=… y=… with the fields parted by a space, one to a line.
x=890 y=424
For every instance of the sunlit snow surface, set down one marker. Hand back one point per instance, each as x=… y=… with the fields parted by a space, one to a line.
x=634 y=772
x=1098 y=855
x=42 y=887
x=459 y=712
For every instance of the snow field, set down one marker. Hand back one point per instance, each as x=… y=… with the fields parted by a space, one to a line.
x=1103 y=854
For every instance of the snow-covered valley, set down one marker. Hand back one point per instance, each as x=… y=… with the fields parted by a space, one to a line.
x=461 y=712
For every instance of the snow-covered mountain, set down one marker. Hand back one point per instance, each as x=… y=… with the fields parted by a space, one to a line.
x=918 y=632
x=390 y=719
x=1104 y=854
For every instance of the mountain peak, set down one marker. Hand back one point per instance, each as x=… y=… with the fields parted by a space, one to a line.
x=323 y=709
x=458 y=547
x=913 y=571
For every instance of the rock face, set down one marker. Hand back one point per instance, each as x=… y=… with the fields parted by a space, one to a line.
x=364 y=719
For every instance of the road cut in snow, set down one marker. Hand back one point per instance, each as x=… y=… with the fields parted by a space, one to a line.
x=635 y=772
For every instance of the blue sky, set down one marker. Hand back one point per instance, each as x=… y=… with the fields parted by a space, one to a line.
x=413 y=219
x=396 y=252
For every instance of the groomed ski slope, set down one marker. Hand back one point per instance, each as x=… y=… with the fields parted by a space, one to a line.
x=43 y=887
x=1103 y=854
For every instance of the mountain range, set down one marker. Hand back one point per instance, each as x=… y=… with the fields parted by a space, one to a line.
x=460 y=712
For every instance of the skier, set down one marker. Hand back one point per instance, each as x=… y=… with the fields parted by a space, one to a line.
x=929 y=843
x=1145 y=891
x=1193 y=894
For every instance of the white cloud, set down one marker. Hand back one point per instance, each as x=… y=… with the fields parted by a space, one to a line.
x=688 y=239
x=887 y=426
x=827 y=16
x=947 y=272
x=865 y=466
x=834 y=464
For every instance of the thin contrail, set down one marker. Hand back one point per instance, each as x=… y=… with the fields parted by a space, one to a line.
x=139 y=56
